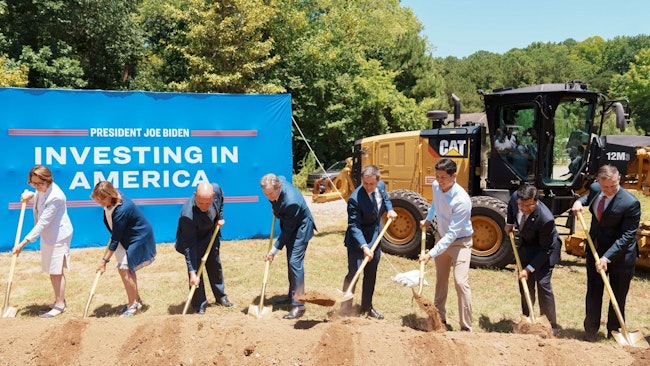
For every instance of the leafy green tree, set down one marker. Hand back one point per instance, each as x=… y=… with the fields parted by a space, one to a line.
x=12 y=73
x=106 y=39
x=347 y=65
x=635 y=84
x=224 y=46
x=35 y=35
x=162 y=64
x=620 y=51
x=73 y=43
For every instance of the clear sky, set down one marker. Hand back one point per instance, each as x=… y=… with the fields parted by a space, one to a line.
x=462 y=27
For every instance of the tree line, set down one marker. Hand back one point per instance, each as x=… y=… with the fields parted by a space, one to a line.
x=354 y=68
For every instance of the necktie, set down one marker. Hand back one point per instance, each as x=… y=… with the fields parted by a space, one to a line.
x=373 y=197
x=522 y=222
x=601 y=207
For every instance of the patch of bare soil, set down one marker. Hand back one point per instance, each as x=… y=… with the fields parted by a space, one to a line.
x=237 y=339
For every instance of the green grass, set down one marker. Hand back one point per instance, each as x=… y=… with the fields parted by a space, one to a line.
x=163 y=285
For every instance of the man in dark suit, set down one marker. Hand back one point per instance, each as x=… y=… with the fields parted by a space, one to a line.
x=297 y=228
x=365 y=208
x=615 y=220
x=199 y=217
x=539 y=248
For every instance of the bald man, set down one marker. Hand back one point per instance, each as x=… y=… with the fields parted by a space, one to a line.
x=199 y=217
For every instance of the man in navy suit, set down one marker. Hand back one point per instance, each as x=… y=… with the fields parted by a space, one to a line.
x=297 y=228
x=615 y=219
x=366 y=206
x=199 y=216
x=539 y=248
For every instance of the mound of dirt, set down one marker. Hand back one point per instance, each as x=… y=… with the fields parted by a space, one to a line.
x=237 y=339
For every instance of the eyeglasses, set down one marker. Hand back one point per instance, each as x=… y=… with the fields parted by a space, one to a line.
x=37 y=184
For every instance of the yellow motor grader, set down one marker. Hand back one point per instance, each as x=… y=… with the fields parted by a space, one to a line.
x=556 y=144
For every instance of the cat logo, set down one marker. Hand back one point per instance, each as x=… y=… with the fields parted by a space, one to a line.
x=452 y=148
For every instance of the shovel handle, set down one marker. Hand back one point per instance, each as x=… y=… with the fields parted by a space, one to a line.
x=608 y=286
x=267 y=265
x=92 y=293
x=201 y=268
x=524 y=283
x=204 y=259
x=189 y=299
x=271 y=236
x=423 y=249
x=98 y=274
x=348 y=291
x=19 y=229
x=11 y=275
x=14 y=256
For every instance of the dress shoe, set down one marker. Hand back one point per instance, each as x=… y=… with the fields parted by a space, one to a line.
x=225 y=302
x=372 y=313
x=295 y=313
x=201 y=309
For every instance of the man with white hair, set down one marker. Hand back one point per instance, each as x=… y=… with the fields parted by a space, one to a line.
x=199 y=217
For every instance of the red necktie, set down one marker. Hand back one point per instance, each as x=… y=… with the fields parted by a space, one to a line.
x=601 y=207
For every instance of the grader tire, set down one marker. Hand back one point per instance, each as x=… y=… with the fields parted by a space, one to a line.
x=491 y=247
x=403 y=236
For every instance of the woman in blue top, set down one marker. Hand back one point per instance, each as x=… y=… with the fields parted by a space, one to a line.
x=132 y=240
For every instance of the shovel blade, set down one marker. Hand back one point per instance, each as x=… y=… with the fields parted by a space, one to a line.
x=259 y=312
x=347 y=296
x=634 y=339
x=526 y=319
x=10 y=312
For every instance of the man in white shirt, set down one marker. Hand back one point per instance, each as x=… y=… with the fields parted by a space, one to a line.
x=452 y=208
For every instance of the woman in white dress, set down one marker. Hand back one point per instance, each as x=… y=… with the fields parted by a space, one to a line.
x=53 y=226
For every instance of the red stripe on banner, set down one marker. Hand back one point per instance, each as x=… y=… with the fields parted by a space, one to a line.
x=145 y=202
x=239 y=199
x=46 y=132
x=229 y=133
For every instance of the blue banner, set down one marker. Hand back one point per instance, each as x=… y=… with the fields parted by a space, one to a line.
x=154 y=147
